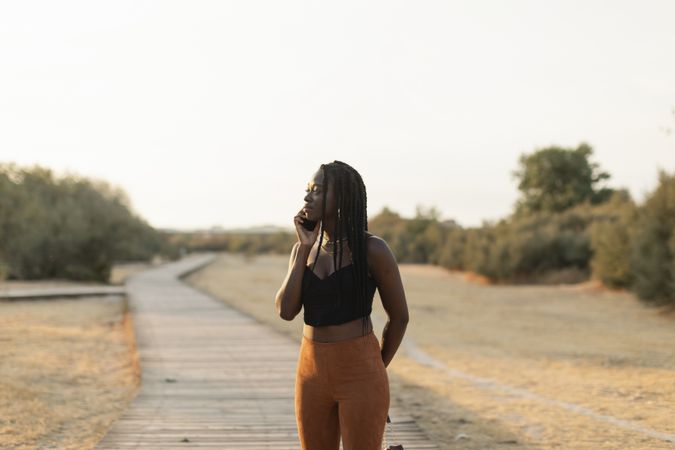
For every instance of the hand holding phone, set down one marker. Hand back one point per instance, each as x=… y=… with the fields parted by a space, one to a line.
x=307 y=230
x=309 y=225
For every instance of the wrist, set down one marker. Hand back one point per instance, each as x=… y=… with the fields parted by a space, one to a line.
x=304 y=249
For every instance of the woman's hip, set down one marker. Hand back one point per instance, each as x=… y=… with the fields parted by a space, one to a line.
x=343 y=361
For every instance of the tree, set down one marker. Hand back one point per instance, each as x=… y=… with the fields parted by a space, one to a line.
x=554 y=179
x=67 y=227
x=612 y=236
x=652 y=259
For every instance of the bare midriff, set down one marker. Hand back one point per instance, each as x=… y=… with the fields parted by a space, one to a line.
x=334 y=333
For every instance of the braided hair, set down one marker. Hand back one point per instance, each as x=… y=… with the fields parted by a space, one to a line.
x=351 y=221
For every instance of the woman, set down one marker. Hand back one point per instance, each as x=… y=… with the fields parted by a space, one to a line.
x=342 y=387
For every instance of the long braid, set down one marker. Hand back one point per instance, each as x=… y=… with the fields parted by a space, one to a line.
x=351 y=220
x=338 y=227
x=360 y=227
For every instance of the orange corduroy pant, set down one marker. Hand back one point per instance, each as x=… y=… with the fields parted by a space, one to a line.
x=341 y=390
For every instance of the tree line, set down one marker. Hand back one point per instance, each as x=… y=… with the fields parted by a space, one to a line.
x=567 y=226
x=68 y=227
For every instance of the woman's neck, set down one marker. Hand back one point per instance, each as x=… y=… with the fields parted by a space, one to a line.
x=327 y=237
x=329 y=233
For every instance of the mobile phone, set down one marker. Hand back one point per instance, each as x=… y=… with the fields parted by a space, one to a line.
x=309 y=225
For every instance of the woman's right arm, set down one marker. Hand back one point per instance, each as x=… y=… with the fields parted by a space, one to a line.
x=288 y=301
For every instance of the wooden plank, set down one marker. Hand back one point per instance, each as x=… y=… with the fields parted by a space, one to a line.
x=212 y=377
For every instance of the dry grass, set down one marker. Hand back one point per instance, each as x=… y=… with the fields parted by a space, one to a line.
x=68 y=370
x=576 y=345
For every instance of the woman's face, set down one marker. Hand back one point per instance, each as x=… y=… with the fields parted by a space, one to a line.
x=314 y=197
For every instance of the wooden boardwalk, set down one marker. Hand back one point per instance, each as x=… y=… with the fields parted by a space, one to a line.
x=212 y=377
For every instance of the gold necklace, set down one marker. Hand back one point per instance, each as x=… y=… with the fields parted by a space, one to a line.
x=328 y=241
x=332 y=244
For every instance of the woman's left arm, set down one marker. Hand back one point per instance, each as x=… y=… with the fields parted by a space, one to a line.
x=384 y=268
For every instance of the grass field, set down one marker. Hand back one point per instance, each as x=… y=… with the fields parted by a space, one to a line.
x=68 y=367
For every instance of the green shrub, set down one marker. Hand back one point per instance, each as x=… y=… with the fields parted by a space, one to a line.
x=452 y=252
x=651 y=258
x=612 y=239
x=68 y=227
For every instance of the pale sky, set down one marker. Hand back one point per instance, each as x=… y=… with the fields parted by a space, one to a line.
x=218 y=113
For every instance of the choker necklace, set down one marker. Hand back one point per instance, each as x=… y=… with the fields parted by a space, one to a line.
x=329 y=242
x=332 y=244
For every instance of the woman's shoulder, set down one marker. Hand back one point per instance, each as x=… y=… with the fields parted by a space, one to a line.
x=380 y=257
x=375 y=244
x=370 y=235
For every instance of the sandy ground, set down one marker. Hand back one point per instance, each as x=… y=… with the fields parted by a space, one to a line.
x=526 y=367
x=68 y=367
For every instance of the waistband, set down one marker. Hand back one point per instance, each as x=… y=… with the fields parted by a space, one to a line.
x=345 y=342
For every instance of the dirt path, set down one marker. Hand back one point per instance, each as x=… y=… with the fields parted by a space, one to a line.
x=491 y=367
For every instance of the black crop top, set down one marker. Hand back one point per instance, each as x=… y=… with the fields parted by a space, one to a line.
x=320 y=297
